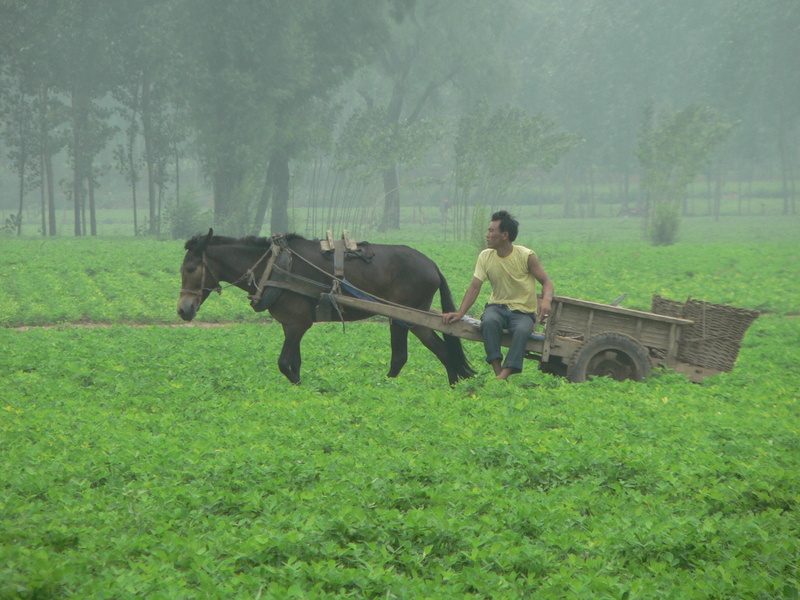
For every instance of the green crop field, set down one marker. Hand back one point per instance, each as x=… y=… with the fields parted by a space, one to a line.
x=146 y=458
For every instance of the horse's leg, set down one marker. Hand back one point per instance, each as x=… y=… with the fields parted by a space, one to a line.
x=289 y=361
x=399 y=348
x=436 y=345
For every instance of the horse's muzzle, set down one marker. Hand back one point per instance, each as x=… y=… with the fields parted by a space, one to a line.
x=186 y=310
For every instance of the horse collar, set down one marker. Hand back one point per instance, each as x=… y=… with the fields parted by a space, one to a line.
x=280 y=240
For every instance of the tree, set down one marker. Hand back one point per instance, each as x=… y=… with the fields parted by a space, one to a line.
x=442 y=45
x=592 y=64
x=28 y=60
x=493 y=147
x=127 y=161
x=340 y=37
x=672 y=152
x=370 y=146
x=84 y=59
x=20 y=137
x=757 y=81
x=237 y=61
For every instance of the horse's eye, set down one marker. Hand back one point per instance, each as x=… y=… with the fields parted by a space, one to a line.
x=191 y=269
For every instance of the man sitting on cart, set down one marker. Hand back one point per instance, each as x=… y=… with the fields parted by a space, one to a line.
x=512 y=271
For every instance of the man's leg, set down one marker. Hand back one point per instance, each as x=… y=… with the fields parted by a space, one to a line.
x=492 y=322
x=521 y=327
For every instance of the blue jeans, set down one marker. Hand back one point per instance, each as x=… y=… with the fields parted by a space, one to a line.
x=497 y=317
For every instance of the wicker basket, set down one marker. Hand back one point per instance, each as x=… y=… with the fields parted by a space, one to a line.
x=714 y=340
x=668 y=308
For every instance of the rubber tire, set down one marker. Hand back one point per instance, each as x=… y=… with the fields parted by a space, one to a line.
x=609 y=354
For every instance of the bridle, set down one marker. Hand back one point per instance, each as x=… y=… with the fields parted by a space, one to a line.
x=248 y=275
x=203 y=288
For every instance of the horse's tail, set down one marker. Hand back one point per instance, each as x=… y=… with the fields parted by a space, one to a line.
x=455 y=351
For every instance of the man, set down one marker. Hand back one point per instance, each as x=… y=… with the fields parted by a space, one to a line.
x=512 y=271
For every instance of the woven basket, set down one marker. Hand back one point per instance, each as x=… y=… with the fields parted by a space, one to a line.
x=668 y=308
x=714 y=339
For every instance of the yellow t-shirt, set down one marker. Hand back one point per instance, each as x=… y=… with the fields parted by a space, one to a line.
x=512 y=284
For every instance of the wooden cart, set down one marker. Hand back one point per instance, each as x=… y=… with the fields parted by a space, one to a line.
x=582 y=340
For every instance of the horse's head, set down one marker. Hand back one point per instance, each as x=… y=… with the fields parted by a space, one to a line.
x=197 y=280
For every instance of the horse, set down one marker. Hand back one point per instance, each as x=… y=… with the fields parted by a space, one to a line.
x=394 y=273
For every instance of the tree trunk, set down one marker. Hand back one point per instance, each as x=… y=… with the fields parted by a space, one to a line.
x=391 y=182
x=147 y=133
x=224 y=186
x=279 y=222
x=177 y=154
x=48 y=196
x=22 y=160
x=718 y=192
x=132 y=173
x=391 y=206
x=263 y=201
x=51 y=200
x=160 y=201
x=42 y=193
x=134 y=176
x=80 y=118
x=92 y=213
x=626 y=194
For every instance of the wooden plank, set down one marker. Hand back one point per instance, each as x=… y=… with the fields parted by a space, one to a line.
x=620 y=310
x=650 y=329
x=551 y=330
x=672 y=348
x=431 y=319
x=660 y=331
x=588 y=329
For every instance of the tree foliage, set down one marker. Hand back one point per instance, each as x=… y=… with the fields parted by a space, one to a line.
x=672 y=152
x=493 y=147
x=247 y=87
x=442 y=48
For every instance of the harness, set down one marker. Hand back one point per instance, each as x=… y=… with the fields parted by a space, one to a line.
x=277 y=276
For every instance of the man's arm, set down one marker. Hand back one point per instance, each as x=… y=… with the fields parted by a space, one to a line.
x=469 y=299
x=536 y=270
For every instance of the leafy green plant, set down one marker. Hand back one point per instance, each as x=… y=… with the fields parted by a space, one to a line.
x=177 y=462
x=199 y=472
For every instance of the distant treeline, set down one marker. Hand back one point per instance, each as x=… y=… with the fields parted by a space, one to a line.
x=172 y=108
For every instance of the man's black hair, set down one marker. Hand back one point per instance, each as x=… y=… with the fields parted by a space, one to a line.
x=508 y=224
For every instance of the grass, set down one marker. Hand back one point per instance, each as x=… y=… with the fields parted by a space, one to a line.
x=176 y=462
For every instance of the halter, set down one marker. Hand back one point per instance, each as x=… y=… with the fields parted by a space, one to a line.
x=203 y=288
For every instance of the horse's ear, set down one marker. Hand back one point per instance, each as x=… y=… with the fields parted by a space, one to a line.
x=201 y=247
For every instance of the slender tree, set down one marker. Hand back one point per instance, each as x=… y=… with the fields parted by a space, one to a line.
x=441 y=45
x=19 y=136
x=672 y=152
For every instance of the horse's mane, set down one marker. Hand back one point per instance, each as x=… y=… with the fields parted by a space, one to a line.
x=251 y=241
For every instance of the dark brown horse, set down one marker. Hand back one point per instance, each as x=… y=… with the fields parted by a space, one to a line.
x=398 y=274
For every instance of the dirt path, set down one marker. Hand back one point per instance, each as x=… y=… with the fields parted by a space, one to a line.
x=93 y=325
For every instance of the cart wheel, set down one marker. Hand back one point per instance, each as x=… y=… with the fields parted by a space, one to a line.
x=612 y=355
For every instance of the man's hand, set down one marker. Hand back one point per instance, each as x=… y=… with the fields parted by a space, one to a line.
x=451 y=317
x=543 y=310
x=469 y=299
